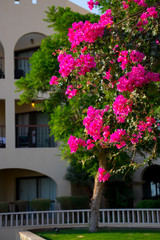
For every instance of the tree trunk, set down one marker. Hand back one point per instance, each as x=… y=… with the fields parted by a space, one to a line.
x=97 y=194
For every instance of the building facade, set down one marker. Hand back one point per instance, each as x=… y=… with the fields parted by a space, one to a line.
x=30 y=165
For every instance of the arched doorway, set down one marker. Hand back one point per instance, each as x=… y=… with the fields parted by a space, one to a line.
x=24 y=184
x=151 y=178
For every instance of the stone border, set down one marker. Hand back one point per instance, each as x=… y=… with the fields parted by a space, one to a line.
x=29 y=236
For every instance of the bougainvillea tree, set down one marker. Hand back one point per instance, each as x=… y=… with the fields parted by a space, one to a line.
x=109 y=83
x=105 y=98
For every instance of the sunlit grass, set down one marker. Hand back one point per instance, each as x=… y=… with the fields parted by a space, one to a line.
x=102 y=234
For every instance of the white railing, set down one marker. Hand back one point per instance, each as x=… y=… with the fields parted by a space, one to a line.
x=79 y=217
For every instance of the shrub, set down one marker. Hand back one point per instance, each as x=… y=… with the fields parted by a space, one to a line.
x=149 y=203
x=74 y=202
x=40 y=204
x=4 y=207
x=21 y=205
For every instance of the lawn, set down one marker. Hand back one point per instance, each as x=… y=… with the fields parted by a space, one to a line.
x=101 y=235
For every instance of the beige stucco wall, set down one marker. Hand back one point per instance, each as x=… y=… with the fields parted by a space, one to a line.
x=16 y=21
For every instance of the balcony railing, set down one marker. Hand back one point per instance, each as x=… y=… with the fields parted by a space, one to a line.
x=22 y=67
x=34 y=136
x=2 y=67
x=2 y=137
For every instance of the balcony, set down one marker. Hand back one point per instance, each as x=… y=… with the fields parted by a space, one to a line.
x=2 y=137
x=22 y=67
x=24 y=49
x=34 y=136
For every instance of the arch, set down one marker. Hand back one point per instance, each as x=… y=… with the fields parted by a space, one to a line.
x=2 y=66
x=25 y=46
x=25 y=42
x=151 y=186
x=25 y=184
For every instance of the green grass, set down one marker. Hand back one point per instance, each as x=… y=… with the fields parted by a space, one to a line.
x=102 y=234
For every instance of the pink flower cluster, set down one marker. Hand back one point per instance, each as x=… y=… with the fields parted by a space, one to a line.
x=143 y=126
x=103 y=175
x=118 y=138
x=83 y=64
x=91 y=4
x=74 y=143
x=67 y=64
x=54 y=80
x=136 y=78
x=106 y=19
x=88 y=32
x=135 y=56
x=122 y=107
x=125 y=5
x=135 y=138
x=90 y=144
x=94 y=122
x=141 y=3
x=151 y=12
x=123 y=58
x=71 y=91
x=108 y=75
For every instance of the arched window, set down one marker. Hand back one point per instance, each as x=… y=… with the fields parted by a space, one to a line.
x=24 y=48
x=151 y=178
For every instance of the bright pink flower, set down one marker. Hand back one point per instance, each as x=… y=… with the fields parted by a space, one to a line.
x=136 y=78
x=125 y=5
x=106 y=18
x=54 y=80
x=123 y=58
x=122 y=107
x=141 y=3
x=151 y=13
x=108 y=75
x=84 y=63
x=94 y=122
x=103 y=175
x=91 y=4
x=136 y=56
x=90 y=144
x=67 y=64
x=74 y=143
x=117 y=138
x=71 y=91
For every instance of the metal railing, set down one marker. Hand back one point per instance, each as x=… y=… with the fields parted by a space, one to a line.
x=34 y=136
x=2 y=136
x=81 y=217
x=2 y=75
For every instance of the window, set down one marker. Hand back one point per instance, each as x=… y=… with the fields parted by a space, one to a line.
x=32 y=130
x=151 y=187
x=34 y=1
x=16 y=1
x=36 y=187
x=22 y=65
